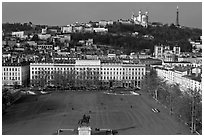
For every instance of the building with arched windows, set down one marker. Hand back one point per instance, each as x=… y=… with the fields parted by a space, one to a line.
x=141 y=19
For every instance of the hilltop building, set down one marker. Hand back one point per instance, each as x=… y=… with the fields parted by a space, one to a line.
x=141 y=19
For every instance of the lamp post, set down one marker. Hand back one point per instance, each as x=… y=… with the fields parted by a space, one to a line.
x=171 y=109
x=193 y=126
x=170 y=101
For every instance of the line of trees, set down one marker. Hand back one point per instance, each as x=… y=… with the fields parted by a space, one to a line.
x=186 y=105
x=8 y=98
x=67 y=79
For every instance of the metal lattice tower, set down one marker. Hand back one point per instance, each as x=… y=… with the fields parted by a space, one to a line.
x=177 y=17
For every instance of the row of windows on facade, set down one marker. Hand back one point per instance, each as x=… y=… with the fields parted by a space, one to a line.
x=94 y=73
x=11 y=74
x=186 y=83
x=11 y=78
x=176 y=77
x=11 y=69
x=38 y=68
x=102 y=78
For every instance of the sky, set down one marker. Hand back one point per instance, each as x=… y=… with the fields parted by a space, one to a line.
x=64 y=13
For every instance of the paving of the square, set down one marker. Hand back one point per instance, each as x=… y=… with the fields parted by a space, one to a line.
x=45 y=114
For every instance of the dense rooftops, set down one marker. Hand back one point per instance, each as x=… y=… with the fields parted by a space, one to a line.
x=16 y=64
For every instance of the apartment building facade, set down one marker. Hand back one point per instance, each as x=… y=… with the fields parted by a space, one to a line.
x=15 y=74
x=109 y=74
x=185 y=81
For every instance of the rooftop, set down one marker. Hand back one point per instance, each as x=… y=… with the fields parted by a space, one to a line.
x=194 y=77
x=16 y=64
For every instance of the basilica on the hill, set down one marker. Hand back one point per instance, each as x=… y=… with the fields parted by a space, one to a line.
x=141 y=19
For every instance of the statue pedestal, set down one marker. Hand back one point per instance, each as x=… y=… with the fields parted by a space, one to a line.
x=84 y=130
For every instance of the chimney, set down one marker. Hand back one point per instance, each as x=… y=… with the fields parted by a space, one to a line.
x=189 y=71
x=11 y=60
x=196 y=72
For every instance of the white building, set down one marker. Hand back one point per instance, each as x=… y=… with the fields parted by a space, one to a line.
x=44 y=30
x=19 y=34
x=158 y=52
x=103 y=23
x=100 y=30
x=67 y=29
x=115 y=74
x=15 y=73
x=164 y=53
x=177 y=50
x=197 y=61
x=181 y=78
x=45 y=47
x=141 y=19
x=44 y=36
x=111 y=55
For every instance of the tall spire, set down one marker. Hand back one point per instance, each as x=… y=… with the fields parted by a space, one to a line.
x=177 y=17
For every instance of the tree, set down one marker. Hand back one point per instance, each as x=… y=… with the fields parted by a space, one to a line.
x=35 y=38
x=151 y=82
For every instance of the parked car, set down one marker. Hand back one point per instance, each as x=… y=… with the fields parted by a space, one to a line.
x=155 y=110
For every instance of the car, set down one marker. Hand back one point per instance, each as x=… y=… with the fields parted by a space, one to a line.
x=155 y=110
x=134 y=93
